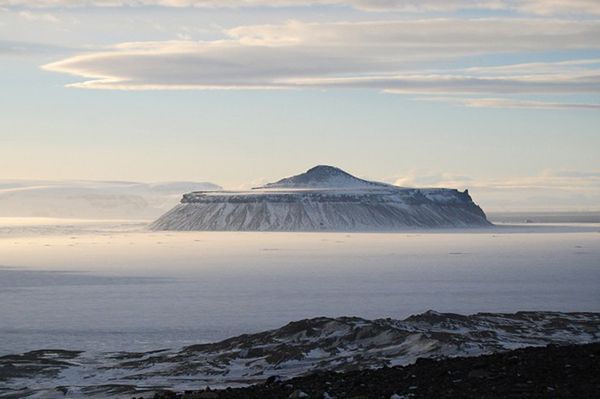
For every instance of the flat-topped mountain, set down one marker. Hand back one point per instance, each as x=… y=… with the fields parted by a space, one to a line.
x=324 y=198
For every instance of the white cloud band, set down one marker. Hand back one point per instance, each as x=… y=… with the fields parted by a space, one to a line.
x=383 y=55
x=541 y=7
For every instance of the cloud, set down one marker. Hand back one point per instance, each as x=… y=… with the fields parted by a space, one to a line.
x=379 y=55
x=553 y=7
x=541 y=7
x=427 y=178
x=36 y=17
x=508 y=103
x=19 y=48
x=511 y=103
x=578 y=175
x=555 y=180
x=549 y=190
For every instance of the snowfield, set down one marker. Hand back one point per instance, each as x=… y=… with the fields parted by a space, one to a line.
x=106 y=308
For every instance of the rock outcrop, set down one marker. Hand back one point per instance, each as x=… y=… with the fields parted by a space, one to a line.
x=303 y=347
x=551 y=372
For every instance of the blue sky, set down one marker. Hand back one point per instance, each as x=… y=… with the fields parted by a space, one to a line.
x=501 y=97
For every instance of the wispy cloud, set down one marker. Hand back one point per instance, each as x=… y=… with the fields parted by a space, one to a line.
x=549 y=190
x=553 y=7
x=19 y=48
x=381 y=55
x=37 y=17
x=508 y=103
x=556 y=180
x=511 y=103
x=541 y=7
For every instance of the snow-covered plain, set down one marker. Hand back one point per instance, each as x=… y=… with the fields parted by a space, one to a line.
x=114 y=286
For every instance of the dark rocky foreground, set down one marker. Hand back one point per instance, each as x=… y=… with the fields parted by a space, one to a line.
x=571 y=371
x=300 y=348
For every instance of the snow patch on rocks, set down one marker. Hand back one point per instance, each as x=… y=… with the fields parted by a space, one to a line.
x=298 y=348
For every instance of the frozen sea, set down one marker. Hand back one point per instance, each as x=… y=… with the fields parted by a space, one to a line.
x=111 y=286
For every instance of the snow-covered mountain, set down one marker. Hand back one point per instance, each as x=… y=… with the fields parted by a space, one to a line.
x=92 y=199
x=299 y=348
x=324 y=198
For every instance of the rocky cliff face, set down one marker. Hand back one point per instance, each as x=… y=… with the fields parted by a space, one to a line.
x=323 y=199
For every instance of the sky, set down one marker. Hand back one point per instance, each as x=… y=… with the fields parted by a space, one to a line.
x=498 y=96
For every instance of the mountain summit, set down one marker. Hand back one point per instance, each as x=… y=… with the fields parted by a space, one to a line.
x=323 y=176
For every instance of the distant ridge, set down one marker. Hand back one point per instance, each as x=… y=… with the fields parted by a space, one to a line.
x=90 y=199
x=324 y=198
